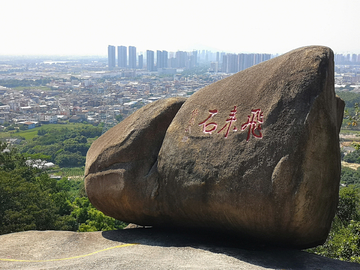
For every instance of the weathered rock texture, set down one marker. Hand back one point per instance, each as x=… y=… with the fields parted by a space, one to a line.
x=118 y=164
x=256 y=153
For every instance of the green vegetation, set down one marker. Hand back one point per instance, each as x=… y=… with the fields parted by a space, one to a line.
x=350 y=98
x=350 y=131
x=351 y=115
x=65 y=146
x=343 y=242
x=119 y=117
x=350 y=177
x=29 y=134
x=76 y=173
x=24 y=83
x=353 y=157
x=201 y=70
x=31 y=200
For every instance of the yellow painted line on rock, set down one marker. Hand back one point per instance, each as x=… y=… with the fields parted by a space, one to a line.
x=70 y=258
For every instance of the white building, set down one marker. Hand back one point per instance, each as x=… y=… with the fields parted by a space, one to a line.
x=48 y=118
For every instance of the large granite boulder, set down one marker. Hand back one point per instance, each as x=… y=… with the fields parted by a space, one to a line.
x=256 y=154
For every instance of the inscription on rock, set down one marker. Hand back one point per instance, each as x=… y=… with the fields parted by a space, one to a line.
x=210 y=124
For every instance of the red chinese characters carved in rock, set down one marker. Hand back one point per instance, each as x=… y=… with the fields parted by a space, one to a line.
x=229 y=122
x=254 y=123
x=209 y=127
x=255 y=120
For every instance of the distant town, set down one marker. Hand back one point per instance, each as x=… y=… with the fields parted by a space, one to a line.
x=36 y=91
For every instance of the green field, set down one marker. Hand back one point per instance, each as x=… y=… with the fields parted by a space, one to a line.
x=31 y=133
x=76 y=173
x=349 y=131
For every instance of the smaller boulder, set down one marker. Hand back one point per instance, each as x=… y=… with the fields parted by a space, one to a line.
x=118 y=167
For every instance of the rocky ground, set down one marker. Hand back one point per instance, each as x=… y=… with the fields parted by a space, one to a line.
x=149 y=249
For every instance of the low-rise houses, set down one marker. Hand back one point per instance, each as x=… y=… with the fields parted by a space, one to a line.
x=91 y=93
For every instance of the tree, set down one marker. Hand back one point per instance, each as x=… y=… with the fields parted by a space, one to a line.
x=119 y=117
x=58 y=143
x=24 y=195
x=31 y=200
x=343 y=242
x=41 y=132
x=91 y=219
x=23 y=127
x=353 y=115
x=37 y=156
x=348 y=207
x=350 y=176
x=68 y=159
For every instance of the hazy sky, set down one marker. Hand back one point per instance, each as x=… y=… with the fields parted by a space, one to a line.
x=78 y=27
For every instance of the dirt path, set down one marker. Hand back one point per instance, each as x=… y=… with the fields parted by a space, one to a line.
x=148 y=249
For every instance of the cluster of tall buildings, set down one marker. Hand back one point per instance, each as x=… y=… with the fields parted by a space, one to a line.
x=347 y=59
x=232 y=63
x=123 y=60
x=162 y=60
x=128 y=58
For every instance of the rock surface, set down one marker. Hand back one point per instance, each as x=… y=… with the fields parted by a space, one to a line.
x=118 y=164
x=149 y=249
x=256 y=154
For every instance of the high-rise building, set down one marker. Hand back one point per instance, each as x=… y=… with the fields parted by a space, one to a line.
x=164 y=59
x=159 y=59
x=222 y=56
x=150 y=60
x=132 y=57
x=122 y=56
x=224 y=63
x=353 y=58
x=172 y=62
x=181 y=58
x=214 y=67
x=193 y=59
x=141 y=61
x=348 y=59
x=232 y=63
x=111 y=56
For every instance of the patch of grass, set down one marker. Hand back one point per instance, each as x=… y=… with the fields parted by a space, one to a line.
x=27 y=134
x=4 y=135
x=349 y=131
x=75 y=173
x=60 y=126
x=31 y=133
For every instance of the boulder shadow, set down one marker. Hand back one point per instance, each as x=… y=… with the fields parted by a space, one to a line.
x=221 y=243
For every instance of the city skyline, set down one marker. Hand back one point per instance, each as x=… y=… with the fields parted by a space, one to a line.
x=66 y=27
x=180 y=59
